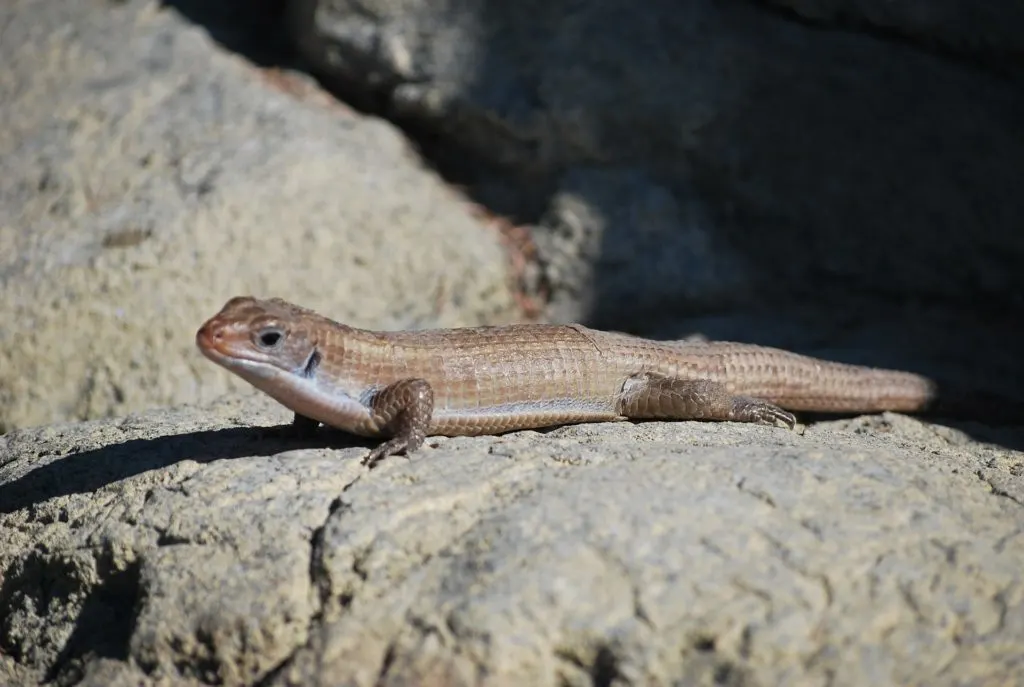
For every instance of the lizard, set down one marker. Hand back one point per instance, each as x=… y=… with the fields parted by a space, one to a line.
x=403 y=386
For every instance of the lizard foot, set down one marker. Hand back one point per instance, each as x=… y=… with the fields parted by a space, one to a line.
x=391 y=447
x=651 y=396
x=403 y=409
x=761 y=412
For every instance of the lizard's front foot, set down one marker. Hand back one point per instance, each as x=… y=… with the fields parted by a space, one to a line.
x=391 y=447
x=404 y=410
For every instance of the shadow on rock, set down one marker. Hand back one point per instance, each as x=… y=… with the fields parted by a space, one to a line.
x=252 y=28
x=87 y=471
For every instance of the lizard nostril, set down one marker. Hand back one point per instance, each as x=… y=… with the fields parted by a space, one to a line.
x=207 y=335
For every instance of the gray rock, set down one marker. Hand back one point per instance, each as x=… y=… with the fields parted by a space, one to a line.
x=146 y=176
x=188 y=547
x=706 y=156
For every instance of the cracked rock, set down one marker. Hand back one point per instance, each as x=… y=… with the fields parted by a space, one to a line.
x=212 y=552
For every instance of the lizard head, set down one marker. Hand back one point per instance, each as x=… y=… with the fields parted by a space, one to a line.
x=260 y=339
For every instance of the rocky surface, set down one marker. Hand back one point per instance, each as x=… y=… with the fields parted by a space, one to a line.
x=189 y=547
x=148 y=176
x=730 y=169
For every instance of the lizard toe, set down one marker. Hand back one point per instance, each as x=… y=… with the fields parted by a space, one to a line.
x=783 y=416
x=761 y=412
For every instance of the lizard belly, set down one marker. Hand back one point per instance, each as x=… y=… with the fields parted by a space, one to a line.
x=506 y=417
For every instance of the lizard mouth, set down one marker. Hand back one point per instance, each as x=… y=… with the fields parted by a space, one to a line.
x=211 y=341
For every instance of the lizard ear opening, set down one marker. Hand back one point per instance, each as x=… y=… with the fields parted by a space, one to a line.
x=269 y=337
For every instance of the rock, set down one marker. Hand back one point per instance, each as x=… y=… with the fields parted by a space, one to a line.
x=190 y=547
x=686 y=157
x=148 y=176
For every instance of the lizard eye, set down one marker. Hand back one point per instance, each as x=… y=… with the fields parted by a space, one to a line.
x=270 y=337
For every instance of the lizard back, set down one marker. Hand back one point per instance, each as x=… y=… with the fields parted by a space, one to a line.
x=484 y=376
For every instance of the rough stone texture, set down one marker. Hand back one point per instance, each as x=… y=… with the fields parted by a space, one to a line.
x=702 y=155
x=188 y=547
x=146 y=176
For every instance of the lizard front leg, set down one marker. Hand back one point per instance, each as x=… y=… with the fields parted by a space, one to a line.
x=303 y=427
x=402 y=410
x=649 y=396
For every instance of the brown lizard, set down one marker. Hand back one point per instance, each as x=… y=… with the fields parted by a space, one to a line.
x=406 y=385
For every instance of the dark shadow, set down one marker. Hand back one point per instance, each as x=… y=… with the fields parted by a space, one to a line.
x=103 y=628
x=248 y=27
x=85 y=472
x=980 y=55
x=105 y=620
x=256 y=30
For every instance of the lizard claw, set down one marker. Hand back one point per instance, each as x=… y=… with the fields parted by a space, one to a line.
x=761 y=412
x=778 y=415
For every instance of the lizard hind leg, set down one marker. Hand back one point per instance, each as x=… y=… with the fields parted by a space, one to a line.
x=649 y=396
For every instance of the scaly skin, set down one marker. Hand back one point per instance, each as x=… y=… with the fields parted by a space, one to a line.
x=486 y=380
